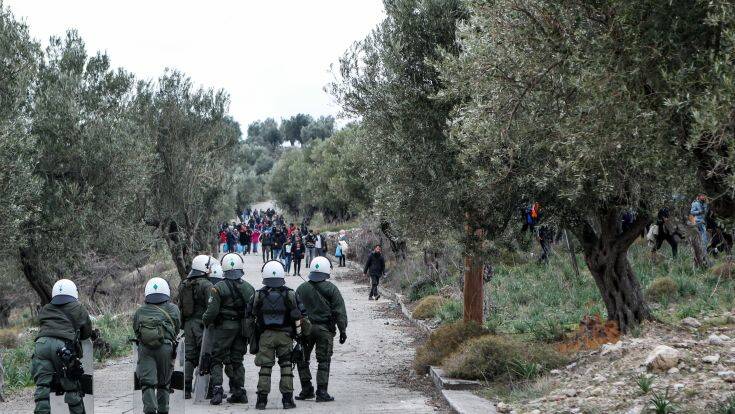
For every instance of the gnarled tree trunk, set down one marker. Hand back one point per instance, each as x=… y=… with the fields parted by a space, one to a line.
x=606 y=255
x=33 y=274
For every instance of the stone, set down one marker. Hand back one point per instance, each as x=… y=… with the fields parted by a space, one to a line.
x=674 y=370
x=570 y=392
x=678 y=387
x=535 y=412
x=636 y=409
x=691 y=322
x=718 y=340
x=503 y=407
x=662 y=358
x=728 y=376
x=555 y=372
x=615 y=349
x=711 y=359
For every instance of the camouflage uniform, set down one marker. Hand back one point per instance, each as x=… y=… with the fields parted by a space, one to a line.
x=155 y=366
x=58 y=331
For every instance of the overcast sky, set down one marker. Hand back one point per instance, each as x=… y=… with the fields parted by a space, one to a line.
x=272 y=56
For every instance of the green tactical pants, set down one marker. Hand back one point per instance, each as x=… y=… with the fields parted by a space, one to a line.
x=44 y=365
x=275 y=344
x=193 y=330
x=154 y=372
x=321 y=339
x=229 y=349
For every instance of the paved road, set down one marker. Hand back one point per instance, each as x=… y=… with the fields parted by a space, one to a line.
x=364 y=369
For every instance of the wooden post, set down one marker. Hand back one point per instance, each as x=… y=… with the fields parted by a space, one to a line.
x=473 y=283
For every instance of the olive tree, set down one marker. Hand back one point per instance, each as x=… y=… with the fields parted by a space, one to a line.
x=557 y=107
x=195 y=153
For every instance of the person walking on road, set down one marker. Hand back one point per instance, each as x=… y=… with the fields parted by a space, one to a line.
x=225 y=318
x=255 y=239
x=327 y=314
x=320 y=245
x=156 y=325
x=266 y=239
x=193 y=295
x=375 y=268
x=279 y=315
x=297 y=254
x=309 y=241
x=63 y=323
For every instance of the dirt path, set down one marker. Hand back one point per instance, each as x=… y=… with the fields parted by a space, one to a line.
x=365 y=370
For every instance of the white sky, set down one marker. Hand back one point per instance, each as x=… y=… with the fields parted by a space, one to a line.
x=272 y=56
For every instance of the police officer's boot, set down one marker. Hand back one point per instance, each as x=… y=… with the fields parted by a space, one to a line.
x=262 y=401
x=187 y=391
x=307 y=391
x=217 y=395
x=322 y=395
x=288 y=401
x=239 y=396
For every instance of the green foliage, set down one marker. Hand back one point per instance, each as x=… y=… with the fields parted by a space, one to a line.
x=318 y=129
x=443 y=342
x=492 y=357
x=661 y=402
x=423 y=290
x=326 y=176
x=116 y=331
x=265 y=133
x=452 y=310
x=17 y=364
x=662 y=287
x=291 y=127
x=388 y=80
x=644 y=382
x=726 y=407
x=548 y=330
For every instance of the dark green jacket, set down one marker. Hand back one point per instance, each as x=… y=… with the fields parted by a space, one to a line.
x=202 y=286
x=172 y=322
x=55 y=324
x=223 y=303
x=329 y=310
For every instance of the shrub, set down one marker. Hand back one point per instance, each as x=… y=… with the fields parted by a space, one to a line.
x=662 y=287
x=450 y=311
x=724 y=270
x=8 y=338
x=443 y=342
x=115 y=333
x=421 y=289
x=548 y=330
x=428 y=307
x=494 y=357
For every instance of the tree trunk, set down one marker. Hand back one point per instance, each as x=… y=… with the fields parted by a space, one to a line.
x=473 y=289
x=38 y=281
x=606 y=255
x=180 y=252
x=618 y=285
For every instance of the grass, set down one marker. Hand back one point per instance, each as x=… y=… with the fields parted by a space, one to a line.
x=443 y=342
x=450 y=311
x=496 y=357
x=535 y=299
x=115 y=331
x=428 y=307
x=726 y=407
x=661 y=403
x=644 y=383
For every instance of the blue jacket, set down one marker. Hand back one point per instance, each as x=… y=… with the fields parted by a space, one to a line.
x=699 y=211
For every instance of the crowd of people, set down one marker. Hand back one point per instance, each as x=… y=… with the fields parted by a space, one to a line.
x=265 y=232
x=665 y=228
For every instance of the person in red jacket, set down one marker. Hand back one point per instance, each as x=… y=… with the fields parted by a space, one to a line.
x=255 y=239
x=222 y=240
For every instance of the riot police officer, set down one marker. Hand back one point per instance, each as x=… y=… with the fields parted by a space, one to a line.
x=279 y=315
x=225 y=320
x=56 y=359
x=326 y=308
x=156 y=325
x=193 y=295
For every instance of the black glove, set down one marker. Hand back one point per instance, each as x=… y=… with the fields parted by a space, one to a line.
x=342 y=337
